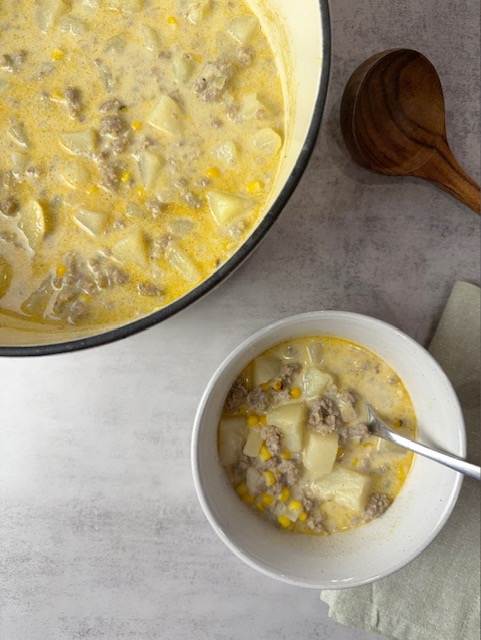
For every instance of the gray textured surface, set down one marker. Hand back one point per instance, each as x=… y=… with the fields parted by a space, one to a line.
x=101 y=535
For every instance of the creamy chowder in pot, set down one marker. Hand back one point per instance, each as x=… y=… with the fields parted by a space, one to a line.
x=293 y=437
x=139 y=143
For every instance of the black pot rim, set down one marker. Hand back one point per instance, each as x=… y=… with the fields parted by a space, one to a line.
x=240 y=255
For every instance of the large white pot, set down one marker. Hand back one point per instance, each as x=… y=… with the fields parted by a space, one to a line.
x=300 y=36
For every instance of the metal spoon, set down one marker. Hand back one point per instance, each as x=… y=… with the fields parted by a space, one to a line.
x=393 y=122
x=378 y=428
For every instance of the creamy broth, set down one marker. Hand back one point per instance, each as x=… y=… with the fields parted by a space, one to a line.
x=139 y=142
x=293 y=437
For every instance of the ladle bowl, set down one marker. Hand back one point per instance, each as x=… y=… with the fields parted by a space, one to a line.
x=393 y=122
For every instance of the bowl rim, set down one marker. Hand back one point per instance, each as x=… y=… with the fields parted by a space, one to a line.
x=215 y=279
x=256 y=562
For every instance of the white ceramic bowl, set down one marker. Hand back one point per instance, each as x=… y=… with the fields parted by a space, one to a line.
x=378 y=548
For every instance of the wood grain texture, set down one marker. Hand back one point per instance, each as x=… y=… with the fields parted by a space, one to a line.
x=393 y=122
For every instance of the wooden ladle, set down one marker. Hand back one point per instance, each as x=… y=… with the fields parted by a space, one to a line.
x=393 y=122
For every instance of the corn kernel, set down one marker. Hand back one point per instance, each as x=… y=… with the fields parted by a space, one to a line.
x=260 y=507
x=56 y=96
x=125 y=176
x=285 y=494
x=302 y=516
x=277 y=386
x=267 y=499
x=295 y=393
x=286 y=455
x=243 y=409
x=241 y=489
x=269 y=477
x=212 y=172
x=248 y=498
x=264 y=454
x=263 y=419
x=136 y=125
x=252 y=420
x=61 y=270
x=57 y=54
x=355 y=461
x=295 y=505
x=172 y=21
x=141 y=192
x=284 y=521
x=340 y=452
x=123 y=108
x=255 y=186
x=264 y=386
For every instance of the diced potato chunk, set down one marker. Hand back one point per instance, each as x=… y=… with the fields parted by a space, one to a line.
x=346 y=409
x=387 y=450
x=32 y=222
x=4 y=85
x=226 y=206
x=226 y=152
x=267 y=141
x=232 y=432
x=184 y=264
x=316 y=352
x=18 y=134
x=150 y=165
x=115 y=45
x=166 y=116
x=94 y=222
x=37 y=303
x=6 y=273
x=344 y=486
x=242 y=28
x=195 y=9
x=183 y=65
x=126 y=6
x=131 y=249
x=290 y=419
x=69 y=24
x=75 y=173
x=47 y=12
x=181 y=227
x=253 y=442
x=254 y=481
x=151 y=38
x=251 y=108
x=265 y=368
x=320 y=453
x=19 y=161
x=80 y=143
x=315 y=382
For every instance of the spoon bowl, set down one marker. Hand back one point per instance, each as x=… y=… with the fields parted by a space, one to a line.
x=393 y=122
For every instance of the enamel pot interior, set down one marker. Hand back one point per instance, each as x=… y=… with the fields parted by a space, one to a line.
x=300 y=37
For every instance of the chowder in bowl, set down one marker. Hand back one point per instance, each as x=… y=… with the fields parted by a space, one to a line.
x=372 y=543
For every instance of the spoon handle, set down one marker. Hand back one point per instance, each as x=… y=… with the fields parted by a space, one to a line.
x=448 y=460
x=443 y=169
x=380 y=429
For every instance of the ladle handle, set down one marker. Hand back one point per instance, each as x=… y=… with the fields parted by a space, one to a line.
x=443 y=169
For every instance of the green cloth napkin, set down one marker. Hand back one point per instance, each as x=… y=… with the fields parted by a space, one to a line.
x=437 y=596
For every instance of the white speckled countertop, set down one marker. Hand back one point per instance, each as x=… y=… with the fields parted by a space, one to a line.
x=101 y=535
